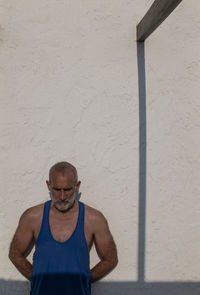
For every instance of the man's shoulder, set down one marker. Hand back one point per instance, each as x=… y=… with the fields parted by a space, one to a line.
x=33 y=213
x=93 y=214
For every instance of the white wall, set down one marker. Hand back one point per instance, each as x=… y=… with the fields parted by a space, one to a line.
x=70 y=92
x=173 y=137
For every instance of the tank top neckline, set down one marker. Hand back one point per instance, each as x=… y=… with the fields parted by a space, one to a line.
x=73 y=233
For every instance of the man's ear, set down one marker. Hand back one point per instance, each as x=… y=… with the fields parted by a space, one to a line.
x=78 y=185
x=48 y=185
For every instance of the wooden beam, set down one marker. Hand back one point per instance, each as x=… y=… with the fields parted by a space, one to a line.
x=157 y=13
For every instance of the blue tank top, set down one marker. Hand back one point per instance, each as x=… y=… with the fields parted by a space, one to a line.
x=61 y=268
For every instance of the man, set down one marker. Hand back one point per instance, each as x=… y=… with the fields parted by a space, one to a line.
x=63 y=230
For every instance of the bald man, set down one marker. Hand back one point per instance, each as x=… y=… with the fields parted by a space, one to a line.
x=63 y=231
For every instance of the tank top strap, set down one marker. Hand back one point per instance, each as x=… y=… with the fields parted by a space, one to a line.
x=44 y=230
x=80 y=225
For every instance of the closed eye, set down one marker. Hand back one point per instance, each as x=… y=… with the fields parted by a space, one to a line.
x=65 y=189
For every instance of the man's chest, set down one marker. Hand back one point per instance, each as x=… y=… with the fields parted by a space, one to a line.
x=61 y=229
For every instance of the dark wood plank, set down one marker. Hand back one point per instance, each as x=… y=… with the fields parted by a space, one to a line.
x=157 y=13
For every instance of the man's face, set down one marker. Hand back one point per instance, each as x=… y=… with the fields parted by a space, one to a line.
x=63 y=190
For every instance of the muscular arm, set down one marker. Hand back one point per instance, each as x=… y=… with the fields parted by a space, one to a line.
x=21 y=244
x=105 y=247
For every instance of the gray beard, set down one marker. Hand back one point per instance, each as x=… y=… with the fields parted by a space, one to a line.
x=63 y=209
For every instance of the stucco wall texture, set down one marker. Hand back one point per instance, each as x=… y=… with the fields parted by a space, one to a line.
x=70 y=92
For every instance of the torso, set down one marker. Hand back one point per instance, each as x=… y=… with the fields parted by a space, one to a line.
x=62 y=225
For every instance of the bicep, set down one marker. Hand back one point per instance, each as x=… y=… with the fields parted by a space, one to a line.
x=23 y=237
x=103 y=239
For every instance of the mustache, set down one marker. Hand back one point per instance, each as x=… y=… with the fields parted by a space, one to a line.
x=63 y=201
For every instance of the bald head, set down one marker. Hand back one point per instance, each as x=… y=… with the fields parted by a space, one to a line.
x=63 y=168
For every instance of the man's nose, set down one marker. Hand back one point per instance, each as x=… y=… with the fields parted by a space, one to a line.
x=62 y=195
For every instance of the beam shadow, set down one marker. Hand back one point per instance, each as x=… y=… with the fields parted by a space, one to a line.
x=142 y=160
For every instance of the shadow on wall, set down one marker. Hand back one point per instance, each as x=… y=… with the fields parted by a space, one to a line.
x=142 y=160
x=11 y=287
